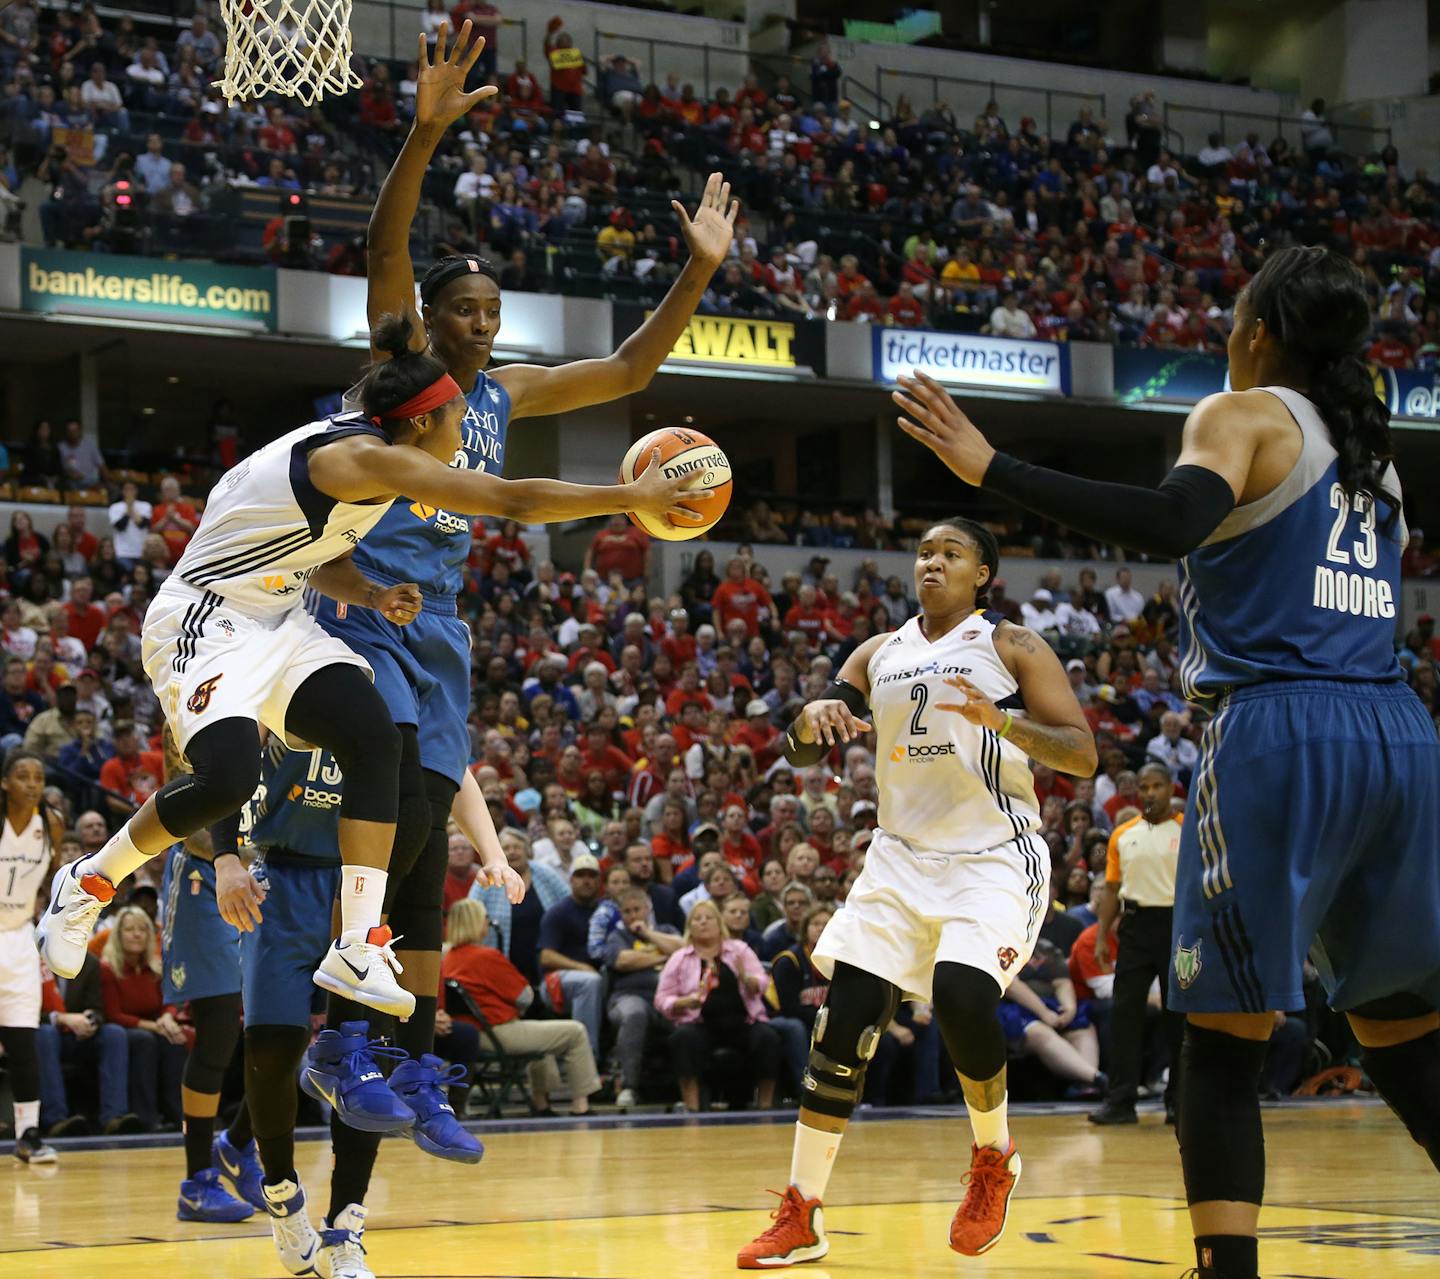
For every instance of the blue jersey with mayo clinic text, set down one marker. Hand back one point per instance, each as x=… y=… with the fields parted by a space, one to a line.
x=1302 y=584
x=422 y=544
x=297 y=804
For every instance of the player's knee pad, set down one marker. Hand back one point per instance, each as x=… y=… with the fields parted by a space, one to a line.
x=847 y=1033
x=22 y=1061
x=967 y=1001
x=1408 y=1077
x=416 y=911
x=1222 y=1144
x=225 y=758
x=338 y=709
x=217 y=1030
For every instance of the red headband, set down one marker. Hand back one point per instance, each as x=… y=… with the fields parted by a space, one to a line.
x=442 y=391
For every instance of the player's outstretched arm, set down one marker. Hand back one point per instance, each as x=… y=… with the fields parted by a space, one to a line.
x=1219 y=446
x=837 y=715
x=536 y=391
x=1054 y=730
x=472 y=815
x=361 y=469
x=440 y=100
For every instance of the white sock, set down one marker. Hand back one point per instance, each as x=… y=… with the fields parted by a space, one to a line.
x=812 y=1160
x=991 y=1127
x=362 y=894
x=27 y=1116
x=118 y=859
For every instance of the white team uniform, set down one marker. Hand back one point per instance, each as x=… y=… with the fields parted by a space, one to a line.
x=227 y=634
x=955 y=871
x=24 y=859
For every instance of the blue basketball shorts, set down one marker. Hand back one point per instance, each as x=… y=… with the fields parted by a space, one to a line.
x=199 y=950
x=422 y=671
x=278 y=958
x=1312 y=827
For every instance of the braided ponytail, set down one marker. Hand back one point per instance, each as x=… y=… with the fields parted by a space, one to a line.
x=1314 y=303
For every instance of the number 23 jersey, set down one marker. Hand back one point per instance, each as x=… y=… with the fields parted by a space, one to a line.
x=947 y=785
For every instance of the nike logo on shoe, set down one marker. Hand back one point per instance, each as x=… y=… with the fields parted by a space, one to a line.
x=231 y=1168
x=327 y=1093
x=360 y=973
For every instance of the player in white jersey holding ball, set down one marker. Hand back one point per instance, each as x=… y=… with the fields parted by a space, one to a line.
x=954 y=890
x=228 y=645
x=29 y=840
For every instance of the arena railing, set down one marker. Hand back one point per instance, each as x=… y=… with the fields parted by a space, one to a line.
x=1189 y=125
x=1014 y=100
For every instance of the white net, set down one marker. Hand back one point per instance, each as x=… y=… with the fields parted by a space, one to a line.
x=301 y=50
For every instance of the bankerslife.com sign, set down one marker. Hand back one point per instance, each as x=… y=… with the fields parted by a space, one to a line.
x=969 y=359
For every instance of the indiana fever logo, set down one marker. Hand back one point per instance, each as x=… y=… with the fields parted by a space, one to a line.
x=1007 y=955
x=199 y=701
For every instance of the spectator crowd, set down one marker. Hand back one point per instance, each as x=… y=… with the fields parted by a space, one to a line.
x=917 y=214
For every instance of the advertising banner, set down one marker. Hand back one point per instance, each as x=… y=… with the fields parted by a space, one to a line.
x=147 y=289
x=1145 y=373
x=972 y=359
x=739 y=341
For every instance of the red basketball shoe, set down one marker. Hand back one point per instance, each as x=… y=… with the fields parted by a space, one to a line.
x=980 y=1220
x=797 y=1235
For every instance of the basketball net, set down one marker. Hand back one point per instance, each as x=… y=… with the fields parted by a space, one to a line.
x=300 y=49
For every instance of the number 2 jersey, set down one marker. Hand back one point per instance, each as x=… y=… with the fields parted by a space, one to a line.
x=946 y=785
x=1302 y=584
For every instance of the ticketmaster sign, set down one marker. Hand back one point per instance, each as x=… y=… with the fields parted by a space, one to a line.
x=969 y=359
x=147 y=289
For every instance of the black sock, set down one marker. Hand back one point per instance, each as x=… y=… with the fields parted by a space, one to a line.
x=272 y=1056
x=1408 y=1077
x=417 y=1035
x=240 y=1134
x=199 y=1132
x=354 y=1161
x=1227 y=1256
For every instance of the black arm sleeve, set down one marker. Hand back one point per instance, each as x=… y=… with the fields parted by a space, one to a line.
x=225 y=835
x=1171 y=520
x=804 y=754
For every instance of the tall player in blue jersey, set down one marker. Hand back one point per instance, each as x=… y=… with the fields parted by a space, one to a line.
x=423 y=670
x=1314 y=820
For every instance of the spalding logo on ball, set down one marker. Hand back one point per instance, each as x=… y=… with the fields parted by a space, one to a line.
x=682 y=452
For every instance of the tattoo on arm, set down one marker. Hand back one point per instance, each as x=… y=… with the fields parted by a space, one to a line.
x=983 y=1094
x=1062 y=747
x=1021 y=638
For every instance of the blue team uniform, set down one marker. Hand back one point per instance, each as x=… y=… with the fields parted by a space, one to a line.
x=199 y=950
x=1313 y=822
x=291 y=821
x=423 y=670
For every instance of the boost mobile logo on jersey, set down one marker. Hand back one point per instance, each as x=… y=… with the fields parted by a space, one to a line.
x=310 y=797
x=443 y=520
x=925 y=754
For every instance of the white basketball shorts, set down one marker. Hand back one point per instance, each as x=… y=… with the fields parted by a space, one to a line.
x=209 y=661
x=911 y=909
x=19 y=977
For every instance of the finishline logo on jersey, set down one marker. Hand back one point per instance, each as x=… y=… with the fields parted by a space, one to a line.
x=441 y=520
x=921 y=754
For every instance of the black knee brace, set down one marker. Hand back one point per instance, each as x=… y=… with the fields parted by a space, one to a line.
x=1408 y=1077
x=415 y=912
x=225 y=757
x=338 y=708
x=1222 y=1143
x=412 y=815
x=217 y=1030
x=857 y=1011
x=967 y=1003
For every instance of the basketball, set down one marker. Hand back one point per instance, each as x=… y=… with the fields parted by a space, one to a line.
x=682 y=450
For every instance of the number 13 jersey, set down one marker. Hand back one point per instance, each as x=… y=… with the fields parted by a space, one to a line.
x=946 y=785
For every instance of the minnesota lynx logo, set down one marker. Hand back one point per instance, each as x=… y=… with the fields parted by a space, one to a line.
x=1187 y=964
x=200 y=699
x=177 y=976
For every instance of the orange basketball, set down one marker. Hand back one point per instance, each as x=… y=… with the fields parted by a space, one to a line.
x=682 y=451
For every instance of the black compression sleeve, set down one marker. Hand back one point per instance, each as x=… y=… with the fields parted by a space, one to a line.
x=1171 y=520
x=803 y=754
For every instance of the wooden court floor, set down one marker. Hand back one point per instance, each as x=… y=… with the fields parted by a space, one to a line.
x=1350 y=1198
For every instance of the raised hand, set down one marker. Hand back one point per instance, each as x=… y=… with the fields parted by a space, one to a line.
x=709 y=232
x=440 y=97
x=653 y=493
x=942 y=427
x=829 y=720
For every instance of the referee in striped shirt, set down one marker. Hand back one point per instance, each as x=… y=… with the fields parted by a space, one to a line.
x=1140 y=890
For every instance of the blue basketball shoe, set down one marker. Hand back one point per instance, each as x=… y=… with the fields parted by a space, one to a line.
x=240 y=1167
x=421 y=1085
x=203 y=1198
x=340 y=1069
